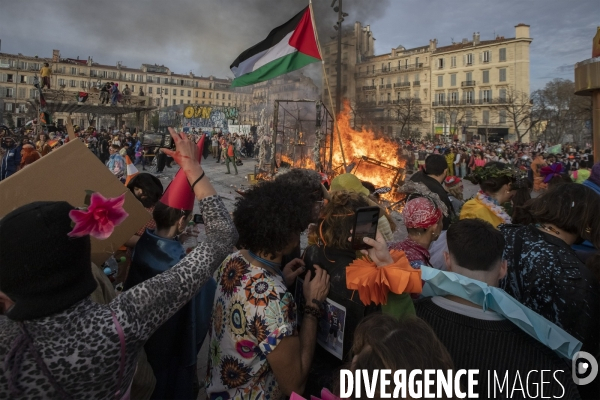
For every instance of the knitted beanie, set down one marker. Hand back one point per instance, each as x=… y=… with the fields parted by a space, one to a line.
x=43 y=270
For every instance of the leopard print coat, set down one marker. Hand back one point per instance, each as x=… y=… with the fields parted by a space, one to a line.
x=80 y=345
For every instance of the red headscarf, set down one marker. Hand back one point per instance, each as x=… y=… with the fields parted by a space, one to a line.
x=421 y=213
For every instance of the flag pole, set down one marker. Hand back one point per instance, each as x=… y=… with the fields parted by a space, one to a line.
x=335 y=124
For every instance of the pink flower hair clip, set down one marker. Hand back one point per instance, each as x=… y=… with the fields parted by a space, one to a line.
x=100 y=218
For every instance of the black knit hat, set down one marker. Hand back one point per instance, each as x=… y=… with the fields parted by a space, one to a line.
x=43 y=270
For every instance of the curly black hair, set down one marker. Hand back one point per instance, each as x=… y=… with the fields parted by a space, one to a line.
x=270 y=214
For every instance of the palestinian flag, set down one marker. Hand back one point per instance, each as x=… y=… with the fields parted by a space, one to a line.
x=288 y=47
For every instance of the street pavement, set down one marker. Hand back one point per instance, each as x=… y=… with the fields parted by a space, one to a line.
x=225 y=185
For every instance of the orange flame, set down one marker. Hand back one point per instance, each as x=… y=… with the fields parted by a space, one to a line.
x=366 y=143
x=305 y=162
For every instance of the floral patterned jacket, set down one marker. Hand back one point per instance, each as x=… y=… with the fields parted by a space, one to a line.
x=252 y=312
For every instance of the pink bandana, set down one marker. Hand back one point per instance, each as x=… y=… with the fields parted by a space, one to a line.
x=420 y=213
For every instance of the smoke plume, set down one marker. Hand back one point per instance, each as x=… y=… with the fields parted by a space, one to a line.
x=204 y=36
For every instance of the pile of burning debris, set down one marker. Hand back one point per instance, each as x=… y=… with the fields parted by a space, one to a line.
x=371 y=157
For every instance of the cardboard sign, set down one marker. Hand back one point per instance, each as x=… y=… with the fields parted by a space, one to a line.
x=64 y=175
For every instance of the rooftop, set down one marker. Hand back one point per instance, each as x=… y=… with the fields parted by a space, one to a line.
x=467 y=45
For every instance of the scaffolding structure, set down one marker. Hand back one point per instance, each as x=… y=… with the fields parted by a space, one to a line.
x=302 y=135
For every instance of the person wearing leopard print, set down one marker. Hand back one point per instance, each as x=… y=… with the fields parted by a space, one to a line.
x=89 y=350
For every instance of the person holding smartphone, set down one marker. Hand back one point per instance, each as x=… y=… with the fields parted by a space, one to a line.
x=256 y=350
x=333 y=252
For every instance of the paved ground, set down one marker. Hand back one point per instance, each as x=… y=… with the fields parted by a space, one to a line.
x=225 y=186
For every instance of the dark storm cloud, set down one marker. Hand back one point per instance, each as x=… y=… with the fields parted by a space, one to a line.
x=200 y=35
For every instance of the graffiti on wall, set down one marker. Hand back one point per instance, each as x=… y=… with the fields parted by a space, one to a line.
x=209 y=117
x=169 y=118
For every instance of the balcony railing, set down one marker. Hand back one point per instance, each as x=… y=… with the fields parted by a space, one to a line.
x=386 y=70
x=402 y=84
x=416 y=83
x=467 y=83
x=465 y=102
x=368 y=87
x=381 y=86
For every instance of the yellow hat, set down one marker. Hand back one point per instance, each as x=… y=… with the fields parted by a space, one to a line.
x=348 y=182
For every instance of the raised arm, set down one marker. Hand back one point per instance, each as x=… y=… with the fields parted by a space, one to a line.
x=143 y=308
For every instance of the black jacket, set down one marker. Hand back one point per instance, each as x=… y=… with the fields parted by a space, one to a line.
x=438 y=189
x=545 y=275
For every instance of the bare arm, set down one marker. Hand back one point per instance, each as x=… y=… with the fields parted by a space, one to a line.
x=291 y=359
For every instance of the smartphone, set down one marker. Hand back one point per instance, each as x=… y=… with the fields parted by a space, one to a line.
x=365 y=225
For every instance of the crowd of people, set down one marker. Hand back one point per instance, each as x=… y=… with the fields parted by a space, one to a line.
x=282 y=321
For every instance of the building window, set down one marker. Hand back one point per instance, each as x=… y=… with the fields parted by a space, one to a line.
x=502 y=116
x=452 y=79
x=470 y=59
x=454 y=97
x=439 y=117
x=453 y=61
x=469 y=118
x=417 y=62
x=469 y=95
x=174 y=102
x=486 y=77
x=229 y=97
x=469 y=76
x=72 y=83
x=486 y=95
x=196 y=95
x=174 y=92
x=157 y=102
x=203 y=95
x=73 y=70
x=217 y=96
x=189 y=93
x=440 y=81
x=158 y=80
x=502 y=75
x=210 y=95
x=487 y=56
x=503 y=94
x=440 y=63
x=181 y=91
x=502 y=54
x=486 y=117
x=149 y=89
x=440 y=97
x=196 y=101
x=188 y=101
x=167 y=102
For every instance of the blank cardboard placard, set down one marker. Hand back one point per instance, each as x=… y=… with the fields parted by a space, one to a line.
x=64 y=175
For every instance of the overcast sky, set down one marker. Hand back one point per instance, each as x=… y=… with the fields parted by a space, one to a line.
x=205 y=36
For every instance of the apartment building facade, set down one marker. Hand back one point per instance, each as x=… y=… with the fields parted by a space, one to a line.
x=458 y=91
x=158 y=85
x=473 y=81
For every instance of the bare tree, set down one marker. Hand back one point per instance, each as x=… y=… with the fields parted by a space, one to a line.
x=406 y=113
x=520 y=111
x=362 y=113
x=453 y=117
x=560 y=110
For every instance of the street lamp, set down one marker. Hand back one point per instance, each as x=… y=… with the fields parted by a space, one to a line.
x=338 y=28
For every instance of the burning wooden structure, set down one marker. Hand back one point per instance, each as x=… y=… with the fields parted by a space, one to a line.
x=304 y=136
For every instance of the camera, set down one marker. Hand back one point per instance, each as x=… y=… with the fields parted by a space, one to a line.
x=157 y=139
